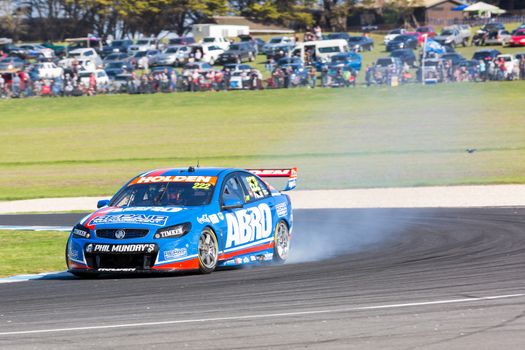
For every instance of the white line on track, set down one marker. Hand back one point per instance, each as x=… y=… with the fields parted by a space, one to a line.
x=249 y=317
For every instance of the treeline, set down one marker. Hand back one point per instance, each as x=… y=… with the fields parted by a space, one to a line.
x=57 y=19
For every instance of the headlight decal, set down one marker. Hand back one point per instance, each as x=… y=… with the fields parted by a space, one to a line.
x=173 y=231
x=80 y=231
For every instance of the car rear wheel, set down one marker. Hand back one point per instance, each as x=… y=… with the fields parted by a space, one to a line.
x=208 y=251
x=282 y=240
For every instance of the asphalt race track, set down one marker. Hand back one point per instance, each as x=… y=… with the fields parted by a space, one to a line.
x=358 y=279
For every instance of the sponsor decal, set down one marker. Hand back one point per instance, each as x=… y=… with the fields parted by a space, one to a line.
x=253 y=258
x=157 y=220
x=274 y=172
x=154 y=179
x=175 y=253
x=245 y=260
x=214 y=219
x=121 y=248
x=268 y=256
x=282 y=209
x=221 y=216
x=158 y=209
x=111 y=269
x=80 y=233
x=230 y=262
x=204 y=219
x=248 y=225
x=72 y=253
x=238 y=261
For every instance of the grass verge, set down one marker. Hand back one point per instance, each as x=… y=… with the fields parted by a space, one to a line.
x=24 y=252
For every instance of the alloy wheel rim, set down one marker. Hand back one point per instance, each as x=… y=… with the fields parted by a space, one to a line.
x=282 y=241
x=207 y=250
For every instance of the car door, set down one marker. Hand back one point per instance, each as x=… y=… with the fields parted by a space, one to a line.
x=246 y=206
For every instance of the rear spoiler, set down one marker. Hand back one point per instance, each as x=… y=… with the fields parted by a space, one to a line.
x=291 y=174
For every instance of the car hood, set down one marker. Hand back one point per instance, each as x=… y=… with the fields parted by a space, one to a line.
x=151 y=218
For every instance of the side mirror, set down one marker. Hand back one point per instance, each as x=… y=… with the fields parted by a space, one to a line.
x=103 y=203
x=232 y=203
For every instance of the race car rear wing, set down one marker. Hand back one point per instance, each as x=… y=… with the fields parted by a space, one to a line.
x=291 y=174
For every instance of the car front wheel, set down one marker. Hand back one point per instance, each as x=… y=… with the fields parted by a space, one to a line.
x=282 y=240
x=208 y=251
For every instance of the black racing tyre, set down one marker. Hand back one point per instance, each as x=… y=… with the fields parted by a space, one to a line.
x=208 y=251
x=282 y=239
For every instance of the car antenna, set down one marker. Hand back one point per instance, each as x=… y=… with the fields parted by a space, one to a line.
x=198 y=166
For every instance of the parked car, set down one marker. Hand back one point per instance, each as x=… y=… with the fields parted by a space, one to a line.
x=216 y=41
x=492 y=27
x=337 y=35
x=426 y=31
x=402 y=41
x=278 y=52
x=144 y=44
x=182 y=41
x=500 y=37
x=430 y=71
x=207 y=53
x=406 y=56
x=13 y=50
x=451 y=36
x=289 y=60
x=392 y=34
x=233 y=67
x=48 y=70
x=257 y=43
x=149 y=56
x=510 y=62
x=59 y=50
x=120 y=82
x=277 y=41
x=455 y=58
x=37 y=51
x=392 y=64
x=87 y=54
x=117 y=46
x=486 y=55
x=347 y=60
x=101 y=77
x=237 y=53
x=11 y=63
x=115 y=57
x=201 y=67
x=360 y=43
x=517 y=38
x=115 y=68
x=173 y=56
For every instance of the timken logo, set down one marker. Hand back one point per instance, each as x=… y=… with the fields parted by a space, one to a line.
x=154 y=179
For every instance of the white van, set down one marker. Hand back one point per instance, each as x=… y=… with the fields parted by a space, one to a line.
x=322 y=50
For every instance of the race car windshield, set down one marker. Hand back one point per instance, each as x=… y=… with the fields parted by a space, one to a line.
x=163 y=194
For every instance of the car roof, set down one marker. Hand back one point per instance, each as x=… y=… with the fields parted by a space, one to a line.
x=188 y=171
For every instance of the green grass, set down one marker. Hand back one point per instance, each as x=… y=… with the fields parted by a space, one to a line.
x=406 y=136
x=24 y=252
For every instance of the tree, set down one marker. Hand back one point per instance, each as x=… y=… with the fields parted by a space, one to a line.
x=11 y=18
x=284 y=12
x=335 y=13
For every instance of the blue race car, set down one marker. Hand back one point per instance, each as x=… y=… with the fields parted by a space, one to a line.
x=185 y=219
